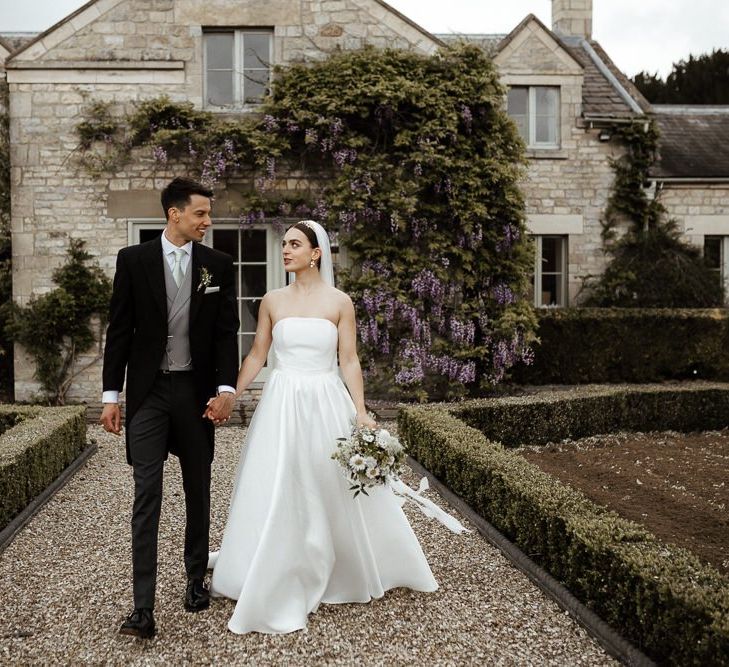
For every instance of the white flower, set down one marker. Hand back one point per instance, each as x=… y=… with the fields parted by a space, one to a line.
x=372 y=473
x=367 y=437
x=357 y=462
x=390 y=460
x=370 y=462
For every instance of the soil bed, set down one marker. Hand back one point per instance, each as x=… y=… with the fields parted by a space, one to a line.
x=674 y=484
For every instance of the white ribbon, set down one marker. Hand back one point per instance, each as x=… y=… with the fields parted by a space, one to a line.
x=404 y=493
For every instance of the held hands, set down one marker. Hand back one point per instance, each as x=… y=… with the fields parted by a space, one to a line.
x=111 y=418
x=219 y=408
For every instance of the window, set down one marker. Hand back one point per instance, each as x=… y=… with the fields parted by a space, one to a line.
x=716 y=255
x=237 y=67
x=535 y=110
x=549 y=282
x=257 y=260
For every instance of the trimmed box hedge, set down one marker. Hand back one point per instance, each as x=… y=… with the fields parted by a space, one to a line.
x=589 y=345
x=36 y=445
x=658 y=596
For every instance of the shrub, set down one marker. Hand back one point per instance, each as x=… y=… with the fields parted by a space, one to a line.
x=586 y=345
x=658 y=596
x=36 y=445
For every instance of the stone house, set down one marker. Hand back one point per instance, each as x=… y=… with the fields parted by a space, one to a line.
x=565 y=95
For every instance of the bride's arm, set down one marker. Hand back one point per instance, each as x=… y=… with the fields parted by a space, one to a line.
x=349 y=362
x=256 y=358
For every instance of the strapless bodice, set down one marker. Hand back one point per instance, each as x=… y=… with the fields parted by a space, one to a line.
x=305 y=345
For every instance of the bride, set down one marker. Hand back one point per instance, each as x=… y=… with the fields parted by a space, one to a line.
x=295 y=536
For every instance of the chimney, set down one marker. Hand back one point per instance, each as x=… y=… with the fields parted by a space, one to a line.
x=572 y=18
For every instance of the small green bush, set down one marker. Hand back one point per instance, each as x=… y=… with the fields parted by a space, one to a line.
x=658 y=596
x=598 y=345
x=36 y=445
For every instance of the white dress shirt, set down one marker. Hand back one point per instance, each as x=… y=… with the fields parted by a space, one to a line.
x=168 y=252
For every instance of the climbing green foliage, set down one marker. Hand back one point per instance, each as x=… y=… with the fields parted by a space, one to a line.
x=56 y=327
x=412 y=162
x=651 y=266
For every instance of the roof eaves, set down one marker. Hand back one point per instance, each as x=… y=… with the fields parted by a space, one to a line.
x=410 y=22
x=527 y=19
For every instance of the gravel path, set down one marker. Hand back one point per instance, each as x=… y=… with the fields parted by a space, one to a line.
x=67 y=587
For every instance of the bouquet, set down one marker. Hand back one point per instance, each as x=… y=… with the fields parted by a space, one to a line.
x=369 y=457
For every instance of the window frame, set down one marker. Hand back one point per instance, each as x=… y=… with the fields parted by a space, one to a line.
x=538 y=273
x=723 y=268
x=239 y=103
x=531 y=116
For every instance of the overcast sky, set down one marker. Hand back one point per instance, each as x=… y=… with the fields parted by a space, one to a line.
x=637 y=34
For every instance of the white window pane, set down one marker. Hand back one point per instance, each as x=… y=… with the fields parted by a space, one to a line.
x=255 y=85
x=220 y=88
x=256 y=49
x=546 y=130
x=518 y=101
x=219 y=50
x=546 y=101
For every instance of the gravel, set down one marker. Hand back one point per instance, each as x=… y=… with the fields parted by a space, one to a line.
x=67 y=587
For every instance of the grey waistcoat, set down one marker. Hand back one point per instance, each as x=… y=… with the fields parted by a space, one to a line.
x=177 y=356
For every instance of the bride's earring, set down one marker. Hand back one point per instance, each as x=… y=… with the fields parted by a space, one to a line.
x=312 y=263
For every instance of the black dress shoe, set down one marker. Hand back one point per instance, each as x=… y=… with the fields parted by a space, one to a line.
x=140 y=623
x=197 y=595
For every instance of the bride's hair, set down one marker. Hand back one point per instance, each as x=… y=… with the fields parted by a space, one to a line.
x=310 y=234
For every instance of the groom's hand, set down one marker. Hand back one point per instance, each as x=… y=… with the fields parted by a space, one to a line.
x=111 y=418
x=220 y=408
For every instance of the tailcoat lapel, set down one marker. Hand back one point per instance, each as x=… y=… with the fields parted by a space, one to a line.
x=197 y=291
x=152 y=262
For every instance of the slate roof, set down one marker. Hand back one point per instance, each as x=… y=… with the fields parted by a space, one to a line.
x=600 y=97
x=694 y=141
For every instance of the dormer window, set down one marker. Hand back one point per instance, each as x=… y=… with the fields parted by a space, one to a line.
x=535 y=110
x=237 y=67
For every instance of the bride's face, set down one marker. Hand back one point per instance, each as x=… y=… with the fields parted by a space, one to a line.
x=297 y=251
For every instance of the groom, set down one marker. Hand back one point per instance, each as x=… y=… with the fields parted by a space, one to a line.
x=173 y=326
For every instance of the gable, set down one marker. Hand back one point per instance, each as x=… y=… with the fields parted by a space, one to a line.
x=531 y=48
x=137 y=30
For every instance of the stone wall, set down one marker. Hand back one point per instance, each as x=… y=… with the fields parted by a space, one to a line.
x=124 y=51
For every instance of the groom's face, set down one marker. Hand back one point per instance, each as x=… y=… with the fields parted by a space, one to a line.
x=191 y=222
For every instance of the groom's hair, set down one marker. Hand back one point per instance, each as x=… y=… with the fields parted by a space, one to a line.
x=178 y=193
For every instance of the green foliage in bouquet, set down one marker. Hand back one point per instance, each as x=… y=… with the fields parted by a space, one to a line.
x=56 y=327
x=369 y=457
x=650 y=266
x=414 y=165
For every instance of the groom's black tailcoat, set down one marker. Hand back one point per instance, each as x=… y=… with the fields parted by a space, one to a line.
x=136 y=338
x=168 y=406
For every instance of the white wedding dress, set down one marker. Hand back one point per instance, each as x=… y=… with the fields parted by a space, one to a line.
x=295 y=536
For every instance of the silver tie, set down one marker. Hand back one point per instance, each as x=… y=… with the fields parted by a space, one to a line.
x=177 y=273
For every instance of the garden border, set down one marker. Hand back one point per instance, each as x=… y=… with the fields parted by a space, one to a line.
x=613 y=643
x=10 y=532
x=660 y=597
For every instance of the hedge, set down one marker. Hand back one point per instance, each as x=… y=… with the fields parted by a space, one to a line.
x=36 y=445
x=584 y=345
x=658 y=596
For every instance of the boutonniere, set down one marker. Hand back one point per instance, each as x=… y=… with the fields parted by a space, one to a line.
x=205 y=278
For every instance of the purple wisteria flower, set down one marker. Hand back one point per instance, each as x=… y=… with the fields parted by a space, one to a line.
x=503 y=294
x=160 y=155
x=511 y=236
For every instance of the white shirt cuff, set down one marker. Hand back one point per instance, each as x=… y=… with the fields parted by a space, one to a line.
x=224 y=388
x=110 y=396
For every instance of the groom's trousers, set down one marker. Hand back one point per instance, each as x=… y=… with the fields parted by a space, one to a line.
x=169 y=411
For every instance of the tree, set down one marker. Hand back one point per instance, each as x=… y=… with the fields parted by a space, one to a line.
x=699 y=80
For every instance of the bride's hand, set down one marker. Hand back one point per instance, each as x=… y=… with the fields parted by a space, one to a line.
x=363 y=419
